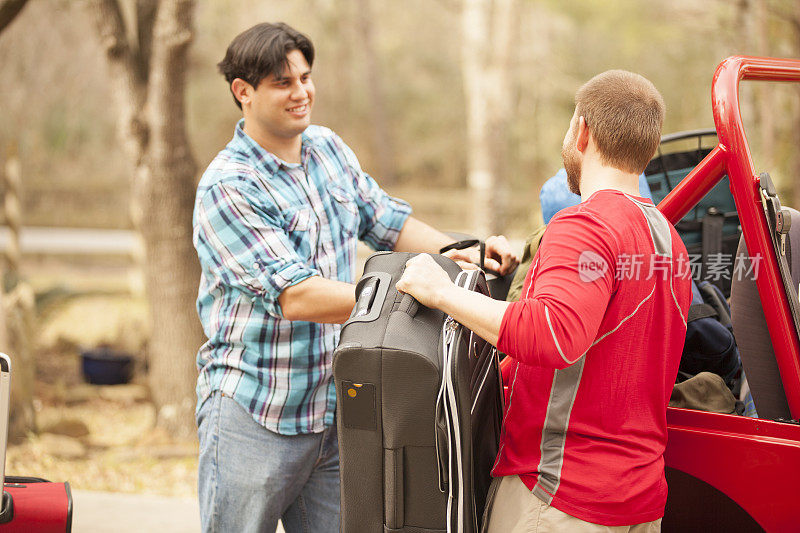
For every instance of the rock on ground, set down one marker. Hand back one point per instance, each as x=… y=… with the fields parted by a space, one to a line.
x=61 y=446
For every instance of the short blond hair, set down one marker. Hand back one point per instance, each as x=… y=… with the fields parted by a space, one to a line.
x=624 y=112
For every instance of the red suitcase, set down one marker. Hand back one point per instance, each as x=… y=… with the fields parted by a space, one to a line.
x=34 y=505
x=29 y=504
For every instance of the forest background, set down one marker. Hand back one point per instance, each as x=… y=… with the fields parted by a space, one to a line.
x=443 y=101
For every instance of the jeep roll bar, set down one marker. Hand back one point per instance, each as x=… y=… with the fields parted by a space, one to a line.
x=732 y=156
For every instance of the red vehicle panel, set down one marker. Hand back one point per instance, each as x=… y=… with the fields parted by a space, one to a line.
x=754 y=462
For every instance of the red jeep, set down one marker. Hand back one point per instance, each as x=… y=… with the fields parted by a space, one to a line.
x=729 y=472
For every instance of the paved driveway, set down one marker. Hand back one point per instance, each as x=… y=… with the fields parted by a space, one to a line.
x=103 y=512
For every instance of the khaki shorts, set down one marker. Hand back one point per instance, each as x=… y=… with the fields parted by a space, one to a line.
x=514 y=509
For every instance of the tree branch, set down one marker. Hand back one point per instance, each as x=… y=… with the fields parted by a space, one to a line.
x=9 y=9
x=111 y=29
x=130 y=89
x=166 y=89
x=145 y=20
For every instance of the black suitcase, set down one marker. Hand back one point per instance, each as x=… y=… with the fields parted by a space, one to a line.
x=419 y=407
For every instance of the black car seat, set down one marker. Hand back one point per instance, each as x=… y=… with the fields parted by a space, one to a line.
x=750 y=326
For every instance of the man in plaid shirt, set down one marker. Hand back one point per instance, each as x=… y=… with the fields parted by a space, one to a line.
x=277 y=216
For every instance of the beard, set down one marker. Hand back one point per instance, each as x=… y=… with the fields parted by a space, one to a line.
x=572 y=165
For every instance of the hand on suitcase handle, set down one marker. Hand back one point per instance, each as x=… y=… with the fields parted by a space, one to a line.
x=467 y=243
x=409 y=305
x=500 y=256
x=424 y=280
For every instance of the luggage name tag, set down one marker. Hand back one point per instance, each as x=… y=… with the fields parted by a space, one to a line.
x=358 y=406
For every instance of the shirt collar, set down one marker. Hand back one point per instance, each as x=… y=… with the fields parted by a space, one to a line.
x=244 y=143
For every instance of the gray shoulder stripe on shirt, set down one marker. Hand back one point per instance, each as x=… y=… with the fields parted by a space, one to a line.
x=675 y=298
x=554 y=433
x=505 y=417
x=533 y=273
x=658 y=225
x=555 y=339
x=626 y=318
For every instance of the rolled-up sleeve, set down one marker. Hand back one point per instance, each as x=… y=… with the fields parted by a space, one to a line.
x=381 y=215
x=241 y=240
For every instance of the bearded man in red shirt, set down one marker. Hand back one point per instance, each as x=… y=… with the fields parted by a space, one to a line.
x=596 y=337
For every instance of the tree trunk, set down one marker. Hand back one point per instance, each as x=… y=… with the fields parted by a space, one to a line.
x=765 y=92
x=381 y=132
x=485 y=59
x=795 y=166
x=17 y=310
x=501 y=96
x=166 y=195
x=480 y=175
x=130 y=90
x=744 y=43
x=150 y=73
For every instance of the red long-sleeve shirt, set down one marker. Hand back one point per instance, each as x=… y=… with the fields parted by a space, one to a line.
x=596 y=340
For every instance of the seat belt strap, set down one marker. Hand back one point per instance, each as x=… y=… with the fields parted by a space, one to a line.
x=711 y=238
x=779 y=222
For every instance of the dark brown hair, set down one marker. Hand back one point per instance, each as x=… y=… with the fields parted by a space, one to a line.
x=260 y=51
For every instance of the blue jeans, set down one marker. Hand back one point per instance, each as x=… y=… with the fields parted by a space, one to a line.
x=249 y=477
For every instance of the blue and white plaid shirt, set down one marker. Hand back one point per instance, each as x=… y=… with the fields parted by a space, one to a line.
x=261 y=225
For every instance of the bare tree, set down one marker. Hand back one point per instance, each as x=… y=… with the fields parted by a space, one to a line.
x=487 y=26
x=16 y=309
x=765 y=93
x=500 y=92
x=788 y=12
x=381 y=133
x=147 y=60
x=794 y=168
x=745 y=44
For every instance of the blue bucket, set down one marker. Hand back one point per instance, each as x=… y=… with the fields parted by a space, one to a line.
x=104 y=366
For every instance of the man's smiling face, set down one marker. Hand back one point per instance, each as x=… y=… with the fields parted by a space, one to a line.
x=280 y=107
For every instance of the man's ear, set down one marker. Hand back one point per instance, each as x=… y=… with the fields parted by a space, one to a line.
x=242 y=91
x=582 y=135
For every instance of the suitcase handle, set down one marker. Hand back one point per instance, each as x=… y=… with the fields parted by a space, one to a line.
x=371 y=292
x=7 y=511
x=468 y=243
x=408 y=305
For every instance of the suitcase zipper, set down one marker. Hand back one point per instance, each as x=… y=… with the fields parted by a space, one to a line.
x=483 y=379
x=446 y=404
x=451 y=416
x=454 y=429
x=448 y=334
x=463 y=279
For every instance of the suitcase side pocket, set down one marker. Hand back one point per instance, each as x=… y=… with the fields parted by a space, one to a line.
x=393 y=487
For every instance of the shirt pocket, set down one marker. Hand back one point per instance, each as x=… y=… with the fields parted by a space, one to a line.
x=345 y=208
x=302 y=230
